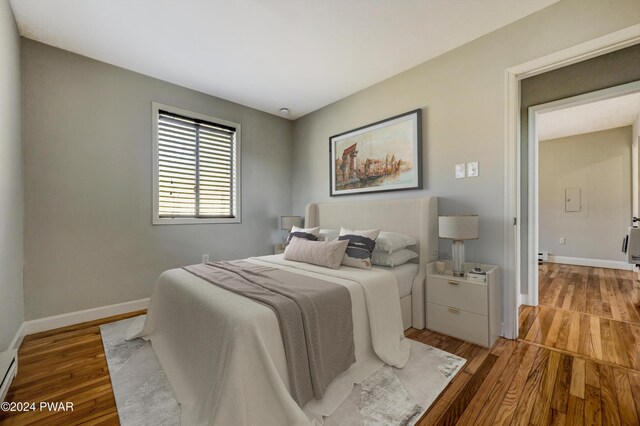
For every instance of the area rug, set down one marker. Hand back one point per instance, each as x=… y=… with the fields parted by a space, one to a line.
x=390 y=396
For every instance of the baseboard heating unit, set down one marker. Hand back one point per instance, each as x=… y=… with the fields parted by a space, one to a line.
x=8 y=370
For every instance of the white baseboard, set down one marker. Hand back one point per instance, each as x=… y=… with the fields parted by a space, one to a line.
x=57 y=321
x=525 y=299
x=17 y=339
x=595 y=263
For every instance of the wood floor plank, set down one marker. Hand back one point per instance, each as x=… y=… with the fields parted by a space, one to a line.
x=554 y=329
x=460 y=404
x=560 y=398
x=578 y=377
x=490 y=408
x=620 y=344
x=634 y=382
x=445 y=400
x=531 y=387
x=592 y=376
x=541 y=412
x=608 y=397
x=607 y=346
x=592 y=407
x=566 y=303
x=480 y=399
x=626 y=405
x=575 y=411
x=565 y=329
x=574 y=333
x=595 y=347
x=507 y=409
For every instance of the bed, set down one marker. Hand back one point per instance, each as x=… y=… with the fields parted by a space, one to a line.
x=224 y=354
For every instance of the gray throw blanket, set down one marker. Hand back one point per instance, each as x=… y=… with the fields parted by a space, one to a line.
x=314 y=315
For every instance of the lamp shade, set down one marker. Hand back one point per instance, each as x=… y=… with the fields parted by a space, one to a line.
x=288 y=222
x=463 y=227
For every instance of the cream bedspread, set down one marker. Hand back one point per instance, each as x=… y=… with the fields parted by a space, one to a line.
x=223 y=353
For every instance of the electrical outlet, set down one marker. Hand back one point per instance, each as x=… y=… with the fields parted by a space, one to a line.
x=205 y=258
x=473 y=170
x=561 y=240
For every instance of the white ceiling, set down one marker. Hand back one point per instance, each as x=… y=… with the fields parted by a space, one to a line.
x=592 y=117
x=300 y=54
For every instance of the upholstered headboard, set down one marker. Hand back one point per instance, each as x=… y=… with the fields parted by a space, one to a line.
x=417 y=217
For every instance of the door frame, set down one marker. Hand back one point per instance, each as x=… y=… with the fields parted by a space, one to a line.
x=533 y=184
x=512 y=194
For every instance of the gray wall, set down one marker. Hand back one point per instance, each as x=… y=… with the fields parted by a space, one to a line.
x=598 y=163
x=89 y=241
x=462 y=95
x=11 y=206
x=612 y=69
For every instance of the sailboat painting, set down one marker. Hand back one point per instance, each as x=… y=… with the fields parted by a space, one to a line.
x=383 y=156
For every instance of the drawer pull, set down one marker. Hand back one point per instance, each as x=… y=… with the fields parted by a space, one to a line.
x=454 y=282
x=454 y=310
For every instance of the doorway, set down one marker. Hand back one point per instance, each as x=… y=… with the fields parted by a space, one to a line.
x=582 y=195
x=569 y=117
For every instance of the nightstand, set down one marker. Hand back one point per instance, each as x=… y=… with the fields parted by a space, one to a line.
x=278 y=248
x=462 y=308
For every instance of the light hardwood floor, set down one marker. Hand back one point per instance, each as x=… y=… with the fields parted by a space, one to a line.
x=606 y=293
x=65 y=365
x=538 y=381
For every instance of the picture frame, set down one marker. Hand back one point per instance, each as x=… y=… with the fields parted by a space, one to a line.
x=379 y=157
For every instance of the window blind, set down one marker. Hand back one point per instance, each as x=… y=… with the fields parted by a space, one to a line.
x=197 y=170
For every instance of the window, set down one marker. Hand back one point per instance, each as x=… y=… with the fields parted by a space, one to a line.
x=196 y=168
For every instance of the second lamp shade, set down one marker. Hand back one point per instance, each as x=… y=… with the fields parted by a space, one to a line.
x=463 y=227
x=288 y=222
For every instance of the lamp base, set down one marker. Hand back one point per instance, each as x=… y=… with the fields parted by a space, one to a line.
x=457 y=255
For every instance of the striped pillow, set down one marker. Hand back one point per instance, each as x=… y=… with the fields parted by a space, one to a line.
x=361 y=245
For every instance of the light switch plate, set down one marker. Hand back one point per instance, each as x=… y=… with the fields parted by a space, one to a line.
x=460 y=171
x=473 y=169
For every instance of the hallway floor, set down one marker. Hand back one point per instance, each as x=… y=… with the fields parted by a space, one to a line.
x=592 y=312
x=593 y=316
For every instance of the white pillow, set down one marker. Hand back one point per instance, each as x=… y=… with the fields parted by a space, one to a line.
x=361 y=244
x=306 y=233
x=397 y=258
x=322 y=253
x=328 y=234
x=392 y=241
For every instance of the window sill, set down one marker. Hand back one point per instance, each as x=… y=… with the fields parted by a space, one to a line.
x=194 y=221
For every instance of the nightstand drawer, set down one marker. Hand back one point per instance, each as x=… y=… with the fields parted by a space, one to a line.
x=457 y=323
x=457 y=294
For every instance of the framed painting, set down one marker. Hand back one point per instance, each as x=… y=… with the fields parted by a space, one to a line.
x=382 y=156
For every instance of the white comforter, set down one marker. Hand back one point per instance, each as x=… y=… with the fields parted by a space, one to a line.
x=223 y=353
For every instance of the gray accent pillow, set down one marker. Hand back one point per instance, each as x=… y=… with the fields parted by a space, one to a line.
x=397 y=258
x=322 y=253
x=361 y=245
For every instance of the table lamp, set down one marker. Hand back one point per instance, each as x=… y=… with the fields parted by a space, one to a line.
x=458 y=228
x=287 y=223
